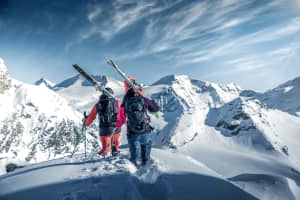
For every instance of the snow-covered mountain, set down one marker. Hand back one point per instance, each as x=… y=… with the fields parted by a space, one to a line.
x=80 y=92
x=221 y=125
x=242 y=137
x=284 y=97
x=36 y=123
x=185 y=103
x=45 y=82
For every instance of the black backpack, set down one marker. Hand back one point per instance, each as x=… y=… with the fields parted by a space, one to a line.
x=106 y=112
x=136 y=112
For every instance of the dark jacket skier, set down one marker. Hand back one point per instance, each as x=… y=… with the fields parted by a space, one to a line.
x=107 y=109
x=134 y=108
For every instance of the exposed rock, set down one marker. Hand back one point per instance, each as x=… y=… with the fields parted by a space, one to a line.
x=5 y=79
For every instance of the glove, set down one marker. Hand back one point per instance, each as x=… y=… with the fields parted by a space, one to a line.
x=158 y=114
x=84 y=118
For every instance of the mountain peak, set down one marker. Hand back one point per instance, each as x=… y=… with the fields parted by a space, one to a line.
x=170 y=79
x=83 y=82
x=46 y=82
x=290 y=83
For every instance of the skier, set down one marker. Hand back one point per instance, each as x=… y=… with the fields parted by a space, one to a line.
x=107 y=109
x=134 y=108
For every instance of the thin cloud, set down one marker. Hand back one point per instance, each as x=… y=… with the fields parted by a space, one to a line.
x=275 y=33
x=122 y=15
x=97 y=10
x=195 y=20
x=212 y=24
x=295 y=5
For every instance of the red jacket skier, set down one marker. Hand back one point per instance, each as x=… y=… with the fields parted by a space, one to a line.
x=107 y=109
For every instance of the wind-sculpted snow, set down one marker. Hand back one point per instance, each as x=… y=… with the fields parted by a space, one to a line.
x=260 y=184
x=117 y=178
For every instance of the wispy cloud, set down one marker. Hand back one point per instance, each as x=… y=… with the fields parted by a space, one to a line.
x=94 y=13
x=123 y=14
x=241 y=43
x=197 y=20
x=279 y=56
x=277 y=32
x=295 y=5
x=199 y=31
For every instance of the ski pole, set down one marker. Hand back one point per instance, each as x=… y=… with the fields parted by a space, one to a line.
x=84 y=142
x=80 y=135
x=85 y=117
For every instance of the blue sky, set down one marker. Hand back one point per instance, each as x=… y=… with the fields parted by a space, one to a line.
x=254 y=43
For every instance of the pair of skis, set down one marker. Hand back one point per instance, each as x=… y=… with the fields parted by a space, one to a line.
x=99 y=86
x=129 y=82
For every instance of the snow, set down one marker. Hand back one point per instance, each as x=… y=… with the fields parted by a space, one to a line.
x=32 y=121
x=285 y=97
x=117 y=178
x=45 y=82
x=213 y=141
x=83 y=95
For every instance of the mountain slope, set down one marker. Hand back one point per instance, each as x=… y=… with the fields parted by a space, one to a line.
x=285 y=97
x=37 y=124
x=80 y=92
x=170 y=176
x=185 y=104
x=45 y=82
x=220 y=126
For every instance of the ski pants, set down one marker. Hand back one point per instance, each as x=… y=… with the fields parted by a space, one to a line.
x=139 y=147
x=106 y=145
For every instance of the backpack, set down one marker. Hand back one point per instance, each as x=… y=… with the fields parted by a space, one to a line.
x=136 y=113
x=106 y=111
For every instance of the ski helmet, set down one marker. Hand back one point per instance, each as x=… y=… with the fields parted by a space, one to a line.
x=127 y=87
x=109 y=90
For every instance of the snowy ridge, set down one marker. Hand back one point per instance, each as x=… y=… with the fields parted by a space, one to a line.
x=94 y=178
x=205 y=119
x=285 y=97
x=188 y=101
x=45 y=82
x=80 y=92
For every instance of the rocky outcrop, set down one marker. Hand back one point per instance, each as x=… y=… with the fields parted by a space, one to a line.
x=5 y=79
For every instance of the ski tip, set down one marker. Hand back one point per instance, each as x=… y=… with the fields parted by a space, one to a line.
x=75 y=65
x=109 y=61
